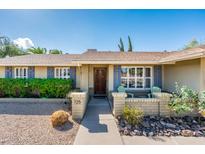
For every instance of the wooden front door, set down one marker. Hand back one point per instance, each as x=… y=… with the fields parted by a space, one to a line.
x=100 y=75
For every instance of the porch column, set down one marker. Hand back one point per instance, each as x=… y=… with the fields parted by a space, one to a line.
x=202 y=74
x=118 y=103
x=110 y=77
x=84 y=78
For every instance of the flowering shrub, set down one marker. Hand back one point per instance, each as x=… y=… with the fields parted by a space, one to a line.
x=201 y=104
x=184 y=100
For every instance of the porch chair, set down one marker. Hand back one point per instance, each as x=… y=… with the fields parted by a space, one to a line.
x=154 y=89
x=122 y=90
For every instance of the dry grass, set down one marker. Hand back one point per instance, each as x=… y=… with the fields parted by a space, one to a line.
x=59 y=118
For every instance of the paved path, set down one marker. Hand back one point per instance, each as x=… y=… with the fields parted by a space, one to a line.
x=162 y=140
x=98 y=126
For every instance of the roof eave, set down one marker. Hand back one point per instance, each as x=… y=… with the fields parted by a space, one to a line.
x=69 y=64
x=190 y=57
x=117 y=62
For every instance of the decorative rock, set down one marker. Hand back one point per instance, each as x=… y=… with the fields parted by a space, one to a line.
x=164 y=126
x=168 y=134
x=126 y=132
x=145 y=124
x=129 y=127
x=137 y=132
x=132 y=133
x=197 y=134
x=162 y=123
x=151 y=133
x=187 y=133
x=122 y=124
x=144 y=133
x=179 y=121
x=169 y=125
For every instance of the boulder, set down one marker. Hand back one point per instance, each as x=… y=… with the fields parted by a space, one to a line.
x=186 y=133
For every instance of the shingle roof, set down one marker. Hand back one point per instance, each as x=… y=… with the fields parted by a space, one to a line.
x=122 y=56
x=108 y=57
x=39 y=60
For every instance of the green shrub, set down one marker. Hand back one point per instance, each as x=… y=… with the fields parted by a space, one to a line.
x=132 y=115
x=184 y=100
x=48 y=88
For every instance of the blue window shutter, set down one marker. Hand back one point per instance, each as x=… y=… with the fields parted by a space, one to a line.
x=117 y=76
x=50 y=72
x=158 y=76
x=73 y=76
x=31 y=72
x=8 y=72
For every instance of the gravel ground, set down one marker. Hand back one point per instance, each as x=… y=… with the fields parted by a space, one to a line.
x=29 y=123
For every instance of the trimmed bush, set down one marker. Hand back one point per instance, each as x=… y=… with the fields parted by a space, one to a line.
x=35 y=88
x=59 y=118
x=132 y=115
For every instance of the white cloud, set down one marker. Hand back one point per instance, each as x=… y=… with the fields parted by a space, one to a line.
x=24 y=43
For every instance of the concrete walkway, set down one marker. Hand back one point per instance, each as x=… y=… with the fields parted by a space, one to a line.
x=162 y=140
x=98 y=126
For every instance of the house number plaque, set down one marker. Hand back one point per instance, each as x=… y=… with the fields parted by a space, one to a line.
x=77 y=101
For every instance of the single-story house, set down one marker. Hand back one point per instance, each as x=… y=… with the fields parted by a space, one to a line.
x=101 y=72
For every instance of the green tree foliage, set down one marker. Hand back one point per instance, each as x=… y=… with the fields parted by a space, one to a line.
x=192 y=44
x=121 y=45
x=37 y=50
x=7 y=48
x=55 y=51
x=129 y=44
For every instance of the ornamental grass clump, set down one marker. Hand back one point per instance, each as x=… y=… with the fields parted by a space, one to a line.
x=184 y=100
x=59 y=118
x=132 y=115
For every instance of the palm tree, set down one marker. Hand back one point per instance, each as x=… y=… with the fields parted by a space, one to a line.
x=121 y=45
x=130 y=44
x=37 y=50
x=55 y=51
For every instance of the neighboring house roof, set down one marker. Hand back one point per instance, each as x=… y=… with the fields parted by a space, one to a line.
x=104 y=57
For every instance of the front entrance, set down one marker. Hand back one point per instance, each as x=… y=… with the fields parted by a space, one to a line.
x=100 y=75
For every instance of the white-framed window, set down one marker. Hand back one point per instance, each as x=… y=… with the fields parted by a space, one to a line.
x=21 y=72
x=136 y=77
x=62 y=72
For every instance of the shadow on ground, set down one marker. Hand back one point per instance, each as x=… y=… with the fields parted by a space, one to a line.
x=32 y=108
x=67 y=126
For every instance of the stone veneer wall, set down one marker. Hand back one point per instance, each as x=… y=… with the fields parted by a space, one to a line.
x=151 y=106
x=79 y=104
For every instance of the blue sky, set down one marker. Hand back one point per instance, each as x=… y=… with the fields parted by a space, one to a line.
x=74 y=31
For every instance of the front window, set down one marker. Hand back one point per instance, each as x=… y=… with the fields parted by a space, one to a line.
x=62 y=72
x=21 y=72
x=139 y=77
